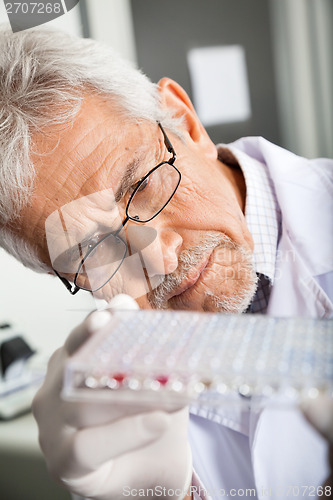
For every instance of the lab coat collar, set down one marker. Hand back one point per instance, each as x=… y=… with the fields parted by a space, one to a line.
x=304 y=192
x=262 y=213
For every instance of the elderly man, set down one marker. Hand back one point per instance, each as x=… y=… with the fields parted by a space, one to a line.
x=112 y=184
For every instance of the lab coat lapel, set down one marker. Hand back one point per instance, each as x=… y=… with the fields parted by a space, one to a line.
x=305 y=195
x=295 y=291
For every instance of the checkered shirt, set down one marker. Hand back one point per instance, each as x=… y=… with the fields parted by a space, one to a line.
x=263 y=217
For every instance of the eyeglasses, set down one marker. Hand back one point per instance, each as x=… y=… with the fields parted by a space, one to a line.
x=149 y=197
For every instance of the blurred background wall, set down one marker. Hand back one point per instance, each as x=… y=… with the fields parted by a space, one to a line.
x=287 y=47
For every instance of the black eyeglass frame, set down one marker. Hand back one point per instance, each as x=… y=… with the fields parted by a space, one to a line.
x=73 y=289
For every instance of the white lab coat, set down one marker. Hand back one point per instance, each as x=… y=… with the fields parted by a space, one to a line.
x=304 y=267
x=286 y=453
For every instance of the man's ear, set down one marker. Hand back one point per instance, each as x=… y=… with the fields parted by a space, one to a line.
x=174 y=97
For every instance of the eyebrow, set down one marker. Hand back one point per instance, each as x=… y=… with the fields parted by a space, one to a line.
x=128 y=178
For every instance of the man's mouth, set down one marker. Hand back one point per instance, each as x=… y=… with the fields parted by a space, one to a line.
x=216 y=275
x=191 y=278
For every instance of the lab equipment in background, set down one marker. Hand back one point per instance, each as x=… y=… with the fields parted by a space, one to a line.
x=20 y=373
x=171 y=358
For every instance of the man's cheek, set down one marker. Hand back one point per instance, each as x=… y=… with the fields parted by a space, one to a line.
x=143 y=302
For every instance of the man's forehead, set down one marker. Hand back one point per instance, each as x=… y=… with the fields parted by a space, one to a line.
x=79 y=148
x=73 y=162
x=89 y=156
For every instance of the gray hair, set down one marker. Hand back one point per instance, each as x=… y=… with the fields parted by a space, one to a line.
x=44 y=76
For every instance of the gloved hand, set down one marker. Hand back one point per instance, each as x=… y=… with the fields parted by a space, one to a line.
x=319 y=412
x=125 y=448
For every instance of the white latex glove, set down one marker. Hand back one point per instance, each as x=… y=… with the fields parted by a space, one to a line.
x=319 y=412
x=126 y=448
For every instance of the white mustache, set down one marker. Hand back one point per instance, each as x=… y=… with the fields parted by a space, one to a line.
x=186 y=261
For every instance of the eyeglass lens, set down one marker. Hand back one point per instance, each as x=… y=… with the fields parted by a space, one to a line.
x=153 y=193
x=102 y=263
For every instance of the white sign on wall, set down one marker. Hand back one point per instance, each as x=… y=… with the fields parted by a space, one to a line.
x=220 y=84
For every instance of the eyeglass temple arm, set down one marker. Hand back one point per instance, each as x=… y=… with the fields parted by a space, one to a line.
x=167 y=143
x=73 y=289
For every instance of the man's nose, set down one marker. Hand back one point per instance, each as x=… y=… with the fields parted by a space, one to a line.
x=159 y=247
x=171 y=243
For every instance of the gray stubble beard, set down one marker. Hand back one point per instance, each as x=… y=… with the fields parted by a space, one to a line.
x=238 y=303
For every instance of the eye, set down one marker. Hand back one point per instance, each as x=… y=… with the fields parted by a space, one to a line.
x=90 y=248
x=92 y=242
x=142 y=183
x=89 y=245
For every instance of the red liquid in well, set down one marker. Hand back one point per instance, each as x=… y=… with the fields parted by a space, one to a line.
x=119 y=377
x=162 y=379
